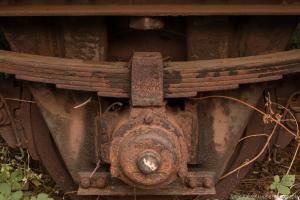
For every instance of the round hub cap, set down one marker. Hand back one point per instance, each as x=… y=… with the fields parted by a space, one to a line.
x=148 y=157
x=148 y=162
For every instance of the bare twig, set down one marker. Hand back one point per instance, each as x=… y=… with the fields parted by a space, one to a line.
x=20 y=100
x=96 y=168
x=255 y=135
x=112 y=105
x=84 y=103
x=292 y=115
x=266 y=117
x=255 y=158
x=269 y=103
x=250 y=106
x=297 y=137
x=22 y=154
x=68 y=193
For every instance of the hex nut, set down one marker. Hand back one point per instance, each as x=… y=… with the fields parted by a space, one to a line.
x=85 y=183
x=208 y=182
x=148 y=119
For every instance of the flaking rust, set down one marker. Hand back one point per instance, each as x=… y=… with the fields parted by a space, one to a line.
x=151 y=144
x=148 y=150
x=147 y=145
x=147 y=79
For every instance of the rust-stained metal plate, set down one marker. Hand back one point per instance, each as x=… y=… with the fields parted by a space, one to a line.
x=147 y=79
x=149 y=10
x=117 y=188
x=34 y=135
x=8 y=130
x=47 y=151
x=71 y=129
x=221 y=124
x=248 y=149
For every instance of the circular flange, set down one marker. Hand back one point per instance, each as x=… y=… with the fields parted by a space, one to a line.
x=149 y=157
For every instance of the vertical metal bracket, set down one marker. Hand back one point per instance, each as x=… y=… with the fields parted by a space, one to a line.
x=8 y=127
x=147 y=79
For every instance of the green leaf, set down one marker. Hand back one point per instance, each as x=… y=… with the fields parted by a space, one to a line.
x=283 y=190
x=273 y=186
x=26 y=198
x=245 y=198
x=4 y=174
x=5 y=189
x=16 y=186
x=17 y=195
x=43 y=196
x=276 y=179
x=2 y=197
x=16 y=176
x=288 y=180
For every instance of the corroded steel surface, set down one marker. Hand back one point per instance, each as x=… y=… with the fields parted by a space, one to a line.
x=8 y=129
x=147 y=79
x=31 y=132
x=227 y=37
x=146 y=23
x=127 y=151
x=87 y=41
x=181 y=79
x=72 y=129
x=148 y=150
x=227 y=121
x=13 y=128
x=149 y=10
x=247 y=149
x=201 y=179
x=145 y=147
x=4 y=119
x=46 y=150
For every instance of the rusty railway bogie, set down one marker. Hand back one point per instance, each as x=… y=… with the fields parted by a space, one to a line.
x=106 y=98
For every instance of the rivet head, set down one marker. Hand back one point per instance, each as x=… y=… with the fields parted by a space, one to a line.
x=101 y=182
x=85 y=182
x=148 y=162
x=208 y=182
x=148 y=119
x=192 y=182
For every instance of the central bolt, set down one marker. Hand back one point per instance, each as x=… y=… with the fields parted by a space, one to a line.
x=148 y=162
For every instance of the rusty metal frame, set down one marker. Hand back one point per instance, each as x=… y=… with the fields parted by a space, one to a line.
x=149 y=10
x=120 y=189
x=12 y=132
x=22 y=126
x=181 y=79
